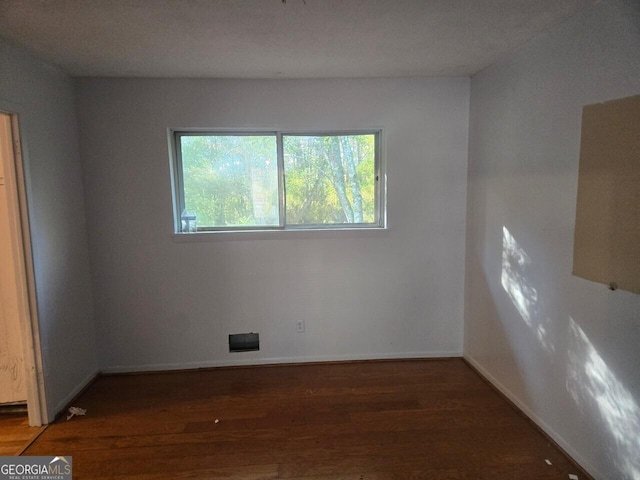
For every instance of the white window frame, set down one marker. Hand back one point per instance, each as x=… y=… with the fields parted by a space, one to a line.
x=177 y=181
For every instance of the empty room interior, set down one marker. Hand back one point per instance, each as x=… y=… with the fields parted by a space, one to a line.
x=315 y=239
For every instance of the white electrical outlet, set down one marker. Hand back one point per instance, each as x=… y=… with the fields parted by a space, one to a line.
x=300 y=326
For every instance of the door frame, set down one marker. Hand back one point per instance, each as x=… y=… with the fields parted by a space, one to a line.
x=27 y=301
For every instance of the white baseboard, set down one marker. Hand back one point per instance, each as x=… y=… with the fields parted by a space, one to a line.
x=273 y=361
x=536 y=419
x=62 y=405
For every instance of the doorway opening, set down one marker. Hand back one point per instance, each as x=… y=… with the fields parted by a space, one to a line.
x=20 y=358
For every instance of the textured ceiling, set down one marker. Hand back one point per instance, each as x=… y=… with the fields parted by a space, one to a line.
x=272 y=39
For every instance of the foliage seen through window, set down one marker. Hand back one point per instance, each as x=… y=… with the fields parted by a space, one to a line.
x=231 y=181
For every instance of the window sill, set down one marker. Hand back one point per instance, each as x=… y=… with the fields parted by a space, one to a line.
x=230 y=235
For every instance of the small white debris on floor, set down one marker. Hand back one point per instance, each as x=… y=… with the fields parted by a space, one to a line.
x=547 y=461
x=76 y=411
x=573 y=477
x=216 y=421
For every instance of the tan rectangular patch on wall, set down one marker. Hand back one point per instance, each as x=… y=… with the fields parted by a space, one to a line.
x=607 y=232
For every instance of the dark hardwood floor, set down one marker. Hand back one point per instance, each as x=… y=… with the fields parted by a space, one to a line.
x=417 y=419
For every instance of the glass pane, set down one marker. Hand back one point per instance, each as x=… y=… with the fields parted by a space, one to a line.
x=329 y=179
x=231 y=180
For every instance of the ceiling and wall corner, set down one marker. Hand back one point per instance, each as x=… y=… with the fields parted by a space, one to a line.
x=269 y=39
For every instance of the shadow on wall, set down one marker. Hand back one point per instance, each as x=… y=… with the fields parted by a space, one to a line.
x=592 y=385
x=595 y=389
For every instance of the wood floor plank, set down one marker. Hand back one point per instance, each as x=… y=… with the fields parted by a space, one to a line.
x=253 y=472
x=386 y=420
x=16 y=434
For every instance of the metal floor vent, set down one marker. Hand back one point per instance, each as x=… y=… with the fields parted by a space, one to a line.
x=244 y=342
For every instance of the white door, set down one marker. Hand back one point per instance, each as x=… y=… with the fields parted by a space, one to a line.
x=12 y=368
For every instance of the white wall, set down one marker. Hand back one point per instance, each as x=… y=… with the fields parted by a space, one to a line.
x=565 y=349
x=44 y=99
x=163 y=303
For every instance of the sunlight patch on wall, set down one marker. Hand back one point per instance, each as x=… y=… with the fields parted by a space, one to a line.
x=594 y=386
x=515 y=261
x=523 y=295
